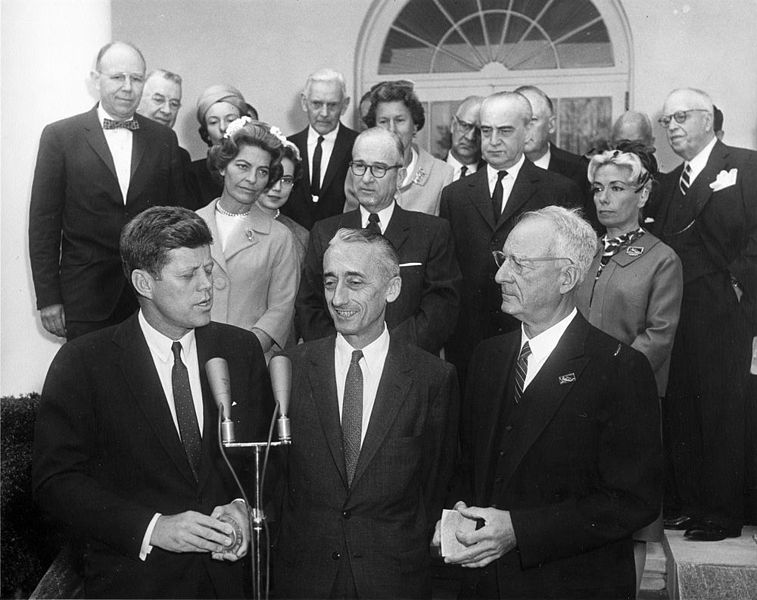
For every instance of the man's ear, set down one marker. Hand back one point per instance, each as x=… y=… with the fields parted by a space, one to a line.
x=568 y=279
x=345 y=104
x=552 y=124
x=303 y=102
x=143 y=282
x=393 y=288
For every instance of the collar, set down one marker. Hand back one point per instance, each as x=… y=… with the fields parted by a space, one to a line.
x=511 y=171
x=543 y=344
x=329 y=137
x=699 y=162
x=384 y=215
x=159 y=344
x=374 y=353
x=102 y=115
x=543 y=161
x=456 y=164
x=410 y=173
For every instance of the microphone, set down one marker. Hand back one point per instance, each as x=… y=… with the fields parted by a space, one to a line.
x=217 y=370
x=280 y=368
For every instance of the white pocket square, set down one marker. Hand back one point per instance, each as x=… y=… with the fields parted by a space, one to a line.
x=724 y=179
x=411 y=264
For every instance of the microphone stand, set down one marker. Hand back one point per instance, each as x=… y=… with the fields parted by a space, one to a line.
x=257 y=522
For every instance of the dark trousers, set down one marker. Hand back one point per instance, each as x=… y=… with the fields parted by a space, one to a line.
x=705 y=411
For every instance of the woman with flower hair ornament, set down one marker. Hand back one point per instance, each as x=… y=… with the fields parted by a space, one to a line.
x=634 y=286
x=256 y=271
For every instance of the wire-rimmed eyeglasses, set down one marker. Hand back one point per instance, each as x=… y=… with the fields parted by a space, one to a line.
x=519 y=263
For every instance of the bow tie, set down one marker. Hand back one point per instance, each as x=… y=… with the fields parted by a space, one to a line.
x=131 y=124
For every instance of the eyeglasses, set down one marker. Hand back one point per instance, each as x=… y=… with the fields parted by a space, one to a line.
x=120 y=78
x=520 y=263
x=378 y=171
x=287 y=180
x=679 y=116
x=464 y=126
x=173 y=104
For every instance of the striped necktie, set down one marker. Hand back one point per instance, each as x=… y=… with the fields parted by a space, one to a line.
x=521 y=367
x=685 y=182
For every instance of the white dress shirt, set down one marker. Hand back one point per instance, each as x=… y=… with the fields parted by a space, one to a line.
x=119 y=143
x=457 y=165
x=372 y=366
x=543 y=161
x=162 y=357
x=507 y=182
x=699 y=162
x=327 y=148
x=543 y=345
x=384 y=215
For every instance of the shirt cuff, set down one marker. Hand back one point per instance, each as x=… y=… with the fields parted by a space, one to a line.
x=146 y=546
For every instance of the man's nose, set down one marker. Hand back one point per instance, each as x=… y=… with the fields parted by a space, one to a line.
x=504 y=273
x=340 y=295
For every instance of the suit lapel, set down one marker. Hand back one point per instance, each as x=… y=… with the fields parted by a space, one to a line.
x=393 y=388
x=322 y=379
x=138 y=146
x=700 y=191
x=398 y=229
x=478 y=192
x=544 y=395
x=337 y=157
x=146 y=390
x=93 y=132
x=523 y=189
x=209 y=215
x=301 y=141
x=206 y=349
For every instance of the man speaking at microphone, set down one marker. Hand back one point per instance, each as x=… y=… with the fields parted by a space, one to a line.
x=126 y=448
x=373 y=424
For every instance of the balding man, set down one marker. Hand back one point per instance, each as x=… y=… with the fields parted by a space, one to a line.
x=325 y=147
x=465 y=151
x=543 y=153
x=633 y=126
x=483 y=208
x=161 y=97
x=708 y=215
x=426 y=309
x=95 y=171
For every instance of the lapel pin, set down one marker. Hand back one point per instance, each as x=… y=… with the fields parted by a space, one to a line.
x=567 y=378
x=635 y=251
x=248 y=233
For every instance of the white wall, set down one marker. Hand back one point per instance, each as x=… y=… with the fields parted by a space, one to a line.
x=48 y=48
x=267 y=48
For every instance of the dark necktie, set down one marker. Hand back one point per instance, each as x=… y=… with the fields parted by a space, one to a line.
x=352 y=414
x=520 y=371
x=185 y=409
x=497 y=195
x=131 y=124
x=463 y=171
x=315 y=181
x=373 y=223
x=685 y=182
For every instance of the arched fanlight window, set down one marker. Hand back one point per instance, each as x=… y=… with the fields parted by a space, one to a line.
x=577 y=51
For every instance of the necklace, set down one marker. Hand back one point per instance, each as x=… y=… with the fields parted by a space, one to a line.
x=226 y=213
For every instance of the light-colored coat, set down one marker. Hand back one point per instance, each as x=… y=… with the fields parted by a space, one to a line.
x=255 y=280
x=637 y=299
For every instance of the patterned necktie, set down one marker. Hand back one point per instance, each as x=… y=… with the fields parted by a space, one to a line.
x=131 y=124
x=497 y=196
x=685 y=182
x=315 y=182
x=352 y=414
x=520 y=371
x=189 y=430
x=463 y=171
x=373 y=223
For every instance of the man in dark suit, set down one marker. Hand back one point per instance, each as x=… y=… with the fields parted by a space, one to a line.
x=561 y=443
x=482 y=209
x=94 y=172
x=543 y=153
x=465 y=151
x=374 y=424
x=633 y=126
x=708 y=215
x=126 y=451
x=427 y=307
x=325 y=146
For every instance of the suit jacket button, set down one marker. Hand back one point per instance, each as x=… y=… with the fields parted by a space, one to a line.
x=336 y=555
x=509 y=428
x=346 y=514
